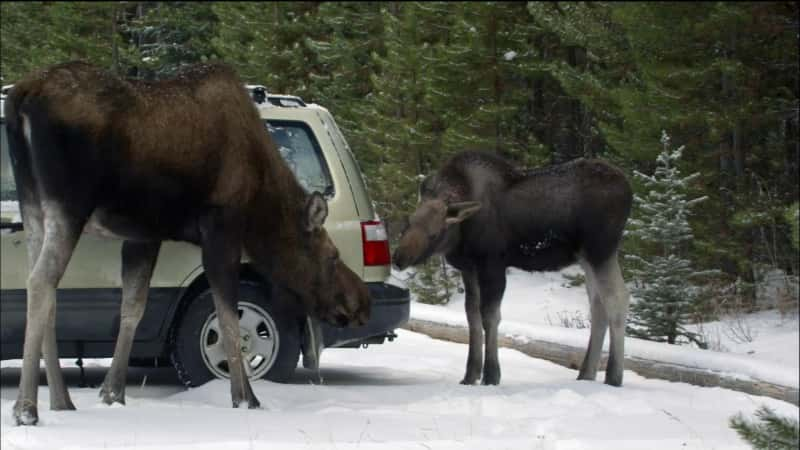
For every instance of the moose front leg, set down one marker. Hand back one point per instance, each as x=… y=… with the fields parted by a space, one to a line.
x=473 y=309
x=222 y=249
x=138 y=261
x=492 y=280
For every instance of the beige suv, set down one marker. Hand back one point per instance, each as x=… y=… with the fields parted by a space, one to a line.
x=180 y=324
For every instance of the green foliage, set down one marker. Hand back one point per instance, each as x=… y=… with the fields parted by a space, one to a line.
x=434 y=282
x=576 y=280
x=663 y=288
x=769 y=432
x=267 y=43
x=792 y=216
x=165 y=36
x=412 y=83
x=36 y=34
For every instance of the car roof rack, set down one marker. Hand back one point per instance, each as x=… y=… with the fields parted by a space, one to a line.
x=257 y=92
x=260 y=95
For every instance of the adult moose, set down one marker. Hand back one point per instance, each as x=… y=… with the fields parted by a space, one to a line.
x=484 y=215
x=185 y=159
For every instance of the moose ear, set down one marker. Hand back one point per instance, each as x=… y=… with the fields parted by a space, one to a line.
x=458 y=212
x=316 y=211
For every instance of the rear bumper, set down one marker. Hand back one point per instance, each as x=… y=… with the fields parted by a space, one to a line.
x=390 y=309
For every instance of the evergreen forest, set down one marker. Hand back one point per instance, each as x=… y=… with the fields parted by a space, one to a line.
x=412 y=83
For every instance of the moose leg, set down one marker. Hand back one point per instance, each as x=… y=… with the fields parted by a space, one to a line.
x=222 y=250
x=492 y=283
x=472 y=306
x=598 y=328
x=61 y=233
x=33 y=219
x=138 y=261
x=615 y=298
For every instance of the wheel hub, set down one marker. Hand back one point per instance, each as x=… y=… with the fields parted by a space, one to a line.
x=245 y=341
x=259 y=342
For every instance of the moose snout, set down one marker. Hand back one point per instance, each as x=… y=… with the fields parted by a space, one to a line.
x=400 y=259
x=407 y=250
x=344 y=318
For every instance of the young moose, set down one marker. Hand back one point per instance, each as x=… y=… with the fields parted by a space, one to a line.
x=485 y=215
x=186 y=159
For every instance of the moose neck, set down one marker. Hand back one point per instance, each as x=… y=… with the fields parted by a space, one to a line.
x=273 y=230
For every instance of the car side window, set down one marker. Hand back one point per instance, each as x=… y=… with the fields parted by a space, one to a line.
x=299 y=148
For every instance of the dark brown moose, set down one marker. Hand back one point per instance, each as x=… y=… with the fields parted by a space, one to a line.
x=485 y=215
x=185 y=159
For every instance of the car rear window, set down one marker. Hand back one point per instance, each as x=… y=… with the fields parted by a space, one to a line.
x=299 y=147
x=8 y=190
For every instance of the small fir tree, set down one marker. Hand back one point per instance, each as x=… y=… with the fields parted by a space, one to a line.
x=771 y=432
x=435 y=282
x=665 y=295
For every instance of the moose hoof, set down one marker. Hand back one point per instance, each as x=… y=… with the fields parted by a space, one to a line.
x=111 y=396
x=491 y=376
x=62 y=405
x=614 y=380
x=25 y=413
x=252 y=403
x=468 y=381
x=587 y=376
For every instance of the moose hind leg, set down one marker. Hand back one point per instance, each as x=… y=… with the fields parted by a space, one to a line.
x=33 y=220
x=61 y=233
x=599 y=325
x=138 y=261
x=473 y=310
x=221 y=259
x=59 y=396
x=615 y=297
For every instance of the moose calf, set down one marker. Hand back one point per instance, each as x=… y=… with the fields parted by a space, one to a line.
x=484 y=215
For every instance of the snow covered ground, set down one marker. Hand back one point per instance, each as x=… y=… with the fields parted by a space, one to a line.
x=401 y=395
x=535 y=303
x=405 y=394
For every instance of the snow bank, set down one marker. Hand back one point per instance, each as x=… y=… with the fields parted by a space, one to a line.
x=533 y=301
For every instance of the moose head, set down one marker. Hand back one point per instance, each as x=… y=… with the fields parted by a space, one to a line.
x=431 y=227
x=312 y=270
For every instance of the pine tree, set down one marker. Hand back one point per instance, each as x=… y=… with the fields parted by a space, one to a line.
x=37 y=34
x=772 y=432
x=268 y=43
x=400 y=131
x=435 y=282
x=665 y=295
x=351 y=34
x=488 y=50
x=165 y=36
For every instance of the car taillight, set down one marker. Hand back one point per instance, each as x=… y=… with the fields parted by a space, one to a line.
x=376 y=244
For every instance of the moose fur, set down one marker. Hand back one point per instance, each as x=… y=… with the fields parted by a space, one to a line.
x=185 y=159
x=485 y=215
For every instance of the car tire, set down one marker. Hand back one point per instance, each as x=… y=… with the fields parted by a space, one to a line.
x=274 y=339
